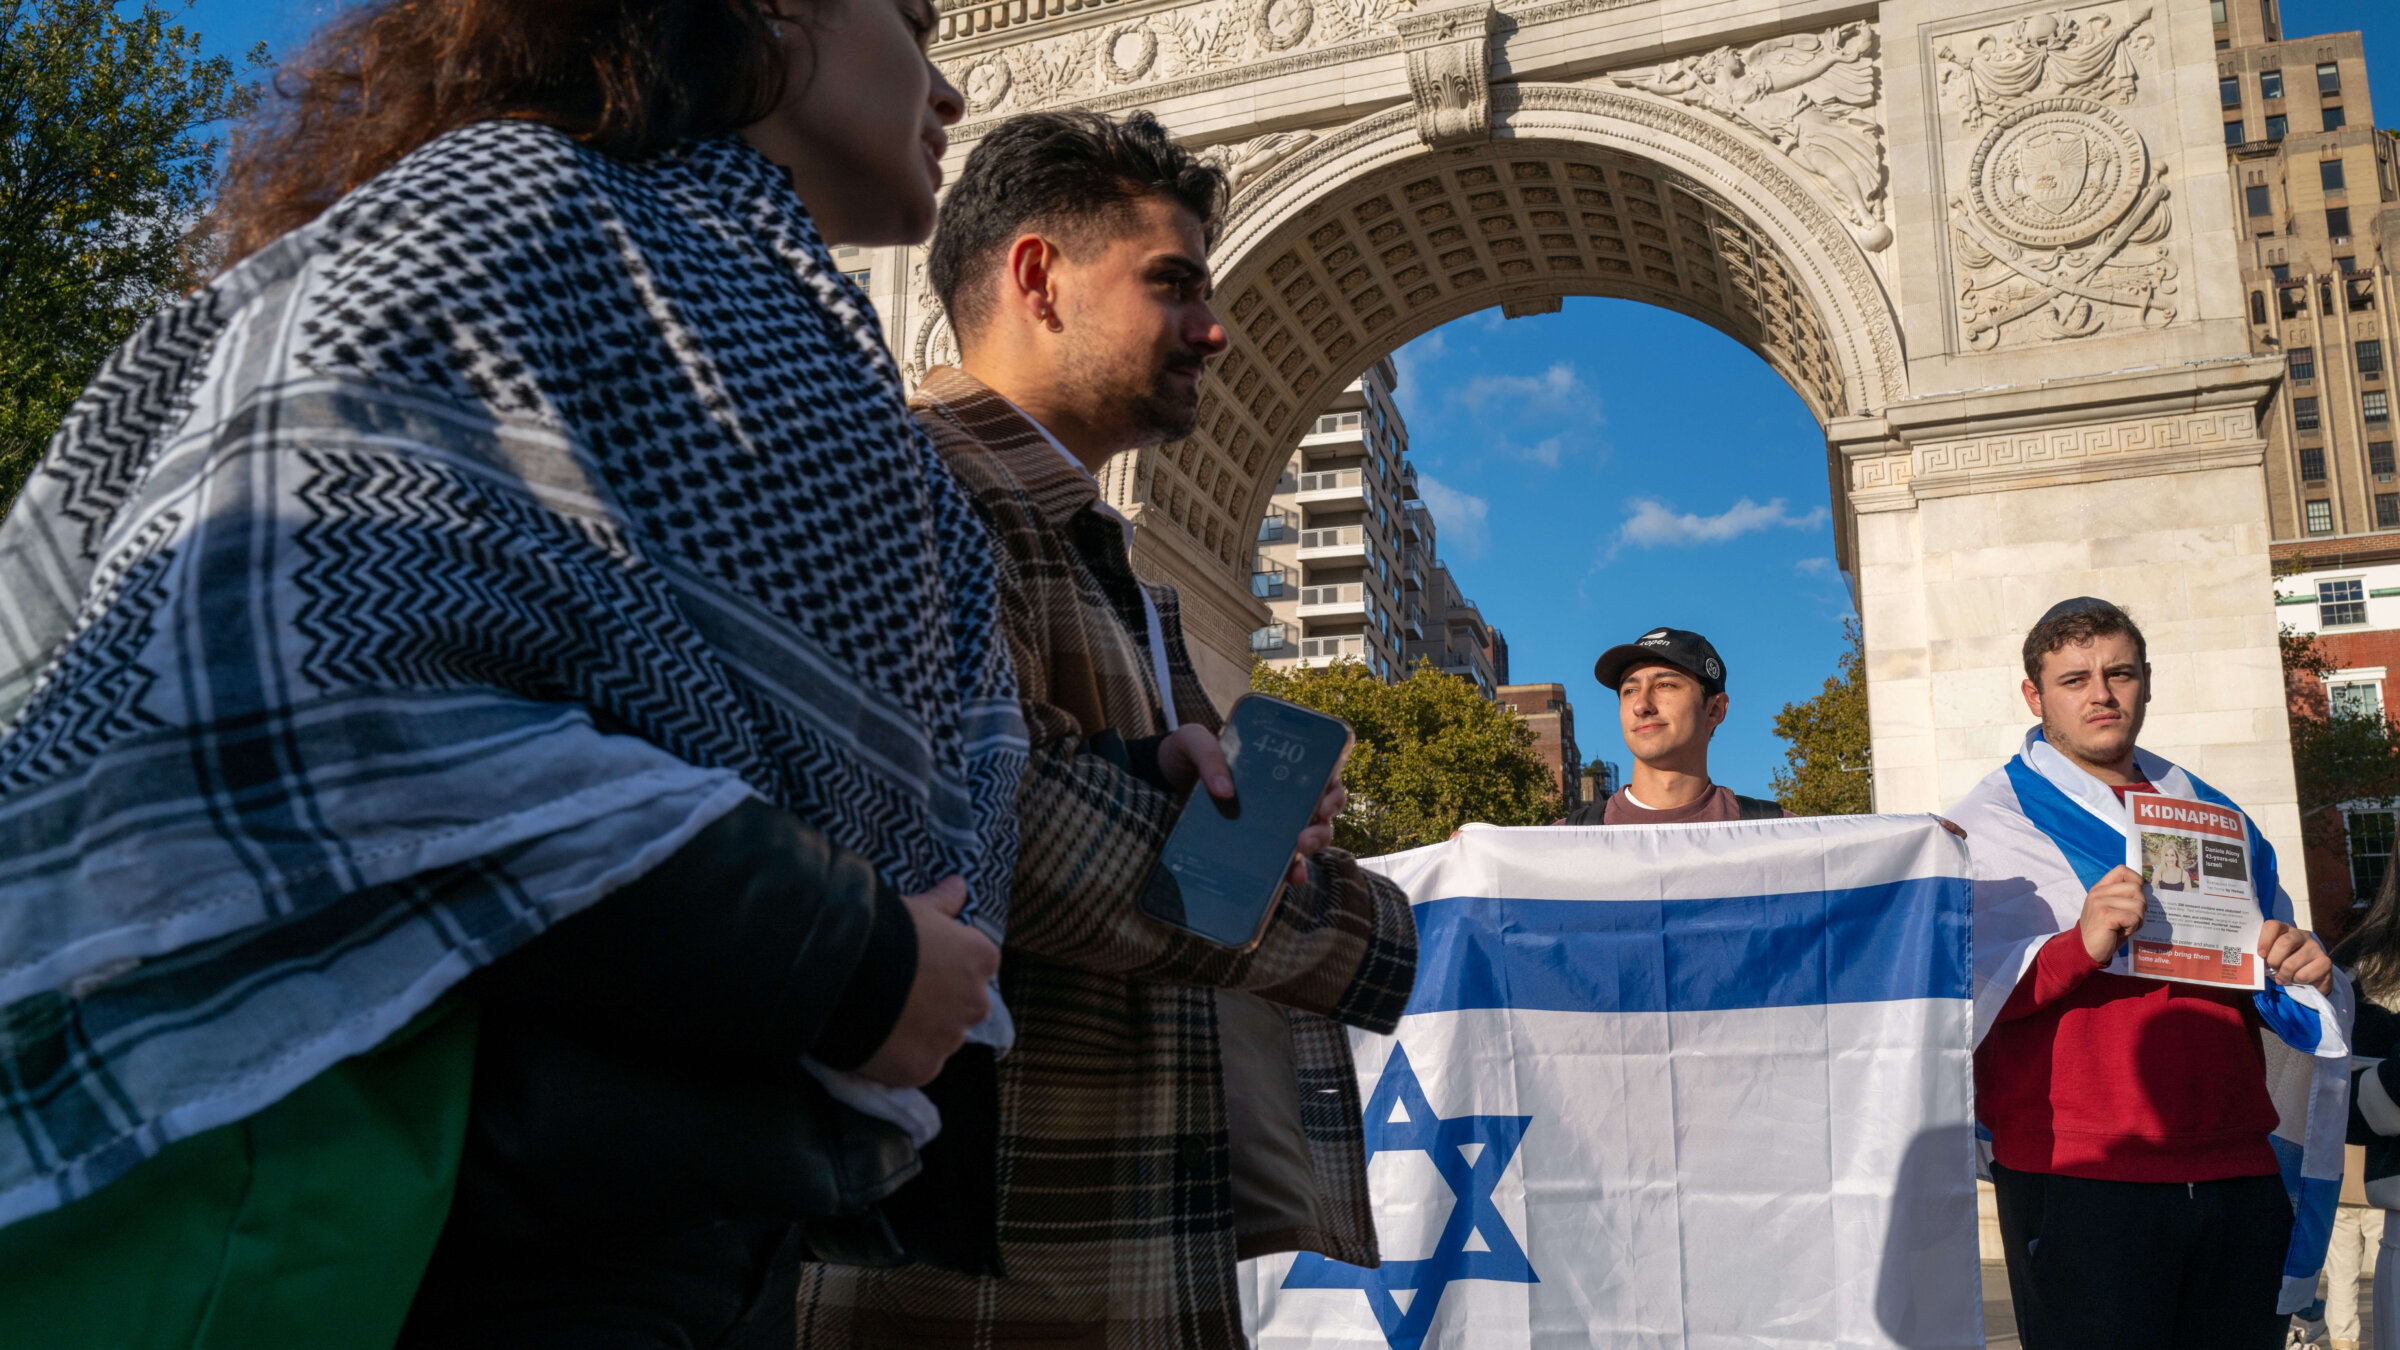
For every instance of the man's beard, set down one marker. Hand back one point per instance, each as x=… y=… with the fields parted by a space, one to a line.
x=1171 y=408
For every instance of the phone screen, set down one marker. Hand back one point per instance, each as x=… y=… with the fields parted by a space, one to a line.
x=1223 y=864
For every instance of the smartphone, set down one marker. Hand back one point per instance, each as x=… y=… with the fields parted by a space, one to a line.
x=1223 y=867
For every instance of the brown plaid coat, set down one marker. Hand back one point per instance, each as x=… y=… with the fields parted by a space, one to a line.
x=1170 y=1106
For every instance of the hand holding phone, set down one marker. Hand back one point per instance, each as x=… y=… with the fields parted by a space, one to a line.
x=1192 y=757
x=1228 y=858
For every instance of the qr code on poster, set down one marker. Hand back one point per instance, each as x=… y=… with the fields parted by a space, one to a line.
x=2232 y=956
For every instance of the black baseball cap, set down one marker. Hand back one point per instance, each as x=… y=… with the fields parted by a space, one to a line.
x=1681 y=648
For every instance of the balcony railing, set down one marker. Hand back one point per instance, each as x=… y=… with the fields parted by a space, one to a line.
x=1331 y=481
x=1276 y=527
x=1271 y=583
x=1351 y=537
x=1347 y=593
x=1274 y=639
x=1327 y=650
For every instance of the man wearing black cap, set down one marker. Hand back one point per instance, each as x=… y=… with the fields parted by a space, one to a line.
x=1670 y=687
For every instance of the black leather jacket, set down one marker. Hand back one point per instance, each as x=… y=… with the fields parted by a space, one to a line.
x=643 y=1144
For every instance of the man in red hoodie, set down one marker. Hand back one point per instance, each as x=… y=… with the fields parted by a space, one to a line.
x=2140 y=1198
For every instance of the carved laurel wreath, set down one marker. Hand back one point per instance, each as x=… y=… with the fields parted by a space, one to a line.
x=1126 y=72
x=1302 y=17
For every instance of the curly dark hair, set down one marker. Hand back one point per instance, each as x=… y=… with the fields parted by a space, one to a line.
x=628 y=77
x=1069 y=173
x=2075 y=622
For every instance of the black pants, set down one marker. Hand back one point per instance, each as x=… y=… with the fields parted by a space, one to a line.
x=2137 y=1265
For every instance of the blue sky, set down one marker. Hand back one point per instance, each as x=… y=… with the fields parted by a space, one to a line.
x=1606 y=469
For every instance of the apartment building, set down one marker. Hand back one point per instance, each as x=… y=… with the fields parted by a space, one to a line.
x=2319 y=189
x=1346 y=557
x=1545 y=708
x=2319 y=207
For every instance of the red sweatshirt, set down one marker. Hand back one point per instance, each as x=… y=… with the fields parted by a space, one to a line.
x=2087 y=1074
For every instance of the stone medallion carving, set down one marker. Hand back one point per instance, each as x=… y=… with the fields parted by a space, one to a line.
x=2056 y=173
x=1284 y=24
x=2063 y=224
x=985 y=83
x=2059 y=224
x=1128 y=52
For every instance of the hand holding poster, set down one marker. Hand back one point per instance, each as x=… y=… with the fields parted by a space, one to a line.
x=2203 y=921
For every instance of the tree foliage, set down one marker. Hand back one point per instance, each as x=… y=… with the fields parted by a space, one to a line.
x=106 y=160
x=1828 y=760
x=1432 y=754
x=2337 y=756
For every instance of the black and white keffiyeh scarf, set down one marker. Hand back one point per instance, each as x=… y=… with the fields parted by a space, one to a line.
x=430 y=574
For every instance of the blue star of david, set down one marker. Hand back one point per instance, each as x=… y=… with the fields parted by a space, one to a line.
x=1470 y=1152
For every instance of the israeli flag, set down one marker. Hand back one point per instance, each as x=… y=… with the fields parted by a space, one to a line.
x=1691 y=1086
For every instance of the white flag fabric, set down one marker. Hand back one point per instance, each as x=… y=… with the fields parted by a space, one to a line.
x=1667 y=1086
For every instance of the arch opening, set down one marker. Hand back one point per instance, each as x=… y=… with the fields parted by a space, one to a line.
x=1363 y=240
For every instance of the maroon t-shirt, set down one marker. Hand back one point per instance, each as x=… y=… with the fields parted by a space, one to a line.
x=1715 y=804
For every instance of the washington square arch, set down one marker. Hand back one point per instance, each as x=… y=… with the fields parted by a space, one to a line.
x=1991 y=246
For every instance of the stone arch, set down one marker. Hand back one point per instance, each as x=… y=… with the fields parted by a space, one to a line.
x=1363 y=238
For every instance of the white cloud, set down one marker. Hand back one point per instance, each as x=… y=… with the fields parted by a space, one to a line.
x=1543 y=452
x=1813 y=567
x=1654 y=524
x=1555 y=385
x=1461 y=520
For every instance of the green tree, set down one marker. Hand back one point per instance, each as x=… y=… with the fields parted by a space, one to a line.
x=106 y=160
x=2337 y=755
x=1433 y=753
x=1827 y=758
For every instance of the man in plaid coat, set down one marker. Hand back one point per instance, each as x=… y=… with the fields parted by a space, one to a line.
x=1170 y=1106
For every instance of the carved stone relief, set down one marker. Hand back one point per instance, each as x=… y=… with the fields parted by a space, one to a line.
x=2060 y=225
x=1128 y=63
x=1449 y=71
x=1243 y=161
x=2052 y=53
x=1813 y=96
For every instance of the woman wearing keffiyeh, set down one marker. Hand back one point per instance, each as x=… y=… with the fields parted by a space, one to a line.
x=529 y=523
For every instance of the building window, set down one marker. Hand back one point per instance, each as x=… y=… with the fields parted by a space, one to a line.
x=2303 y=362
x=2277 y=125
x=2376 y=406
x=2334 y=120
x=2312 y=464
x=2270 y=84
x=2320 y=516
x=2341 y=604
x=2292 y=299
x=2370 y=356
x=2329 y=78
x=2216 y=11
x=2337 y=221
x=2258 y=306
x=2229 y=91
x=2347 y=265
x=2329 y=175
x=2281 y=271
x=2233 y=132
x=2370 y=854
x=2304 y=416
x=2258 y=200
x=2355 y=698
x=2379 y=457
x=2387 y=510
